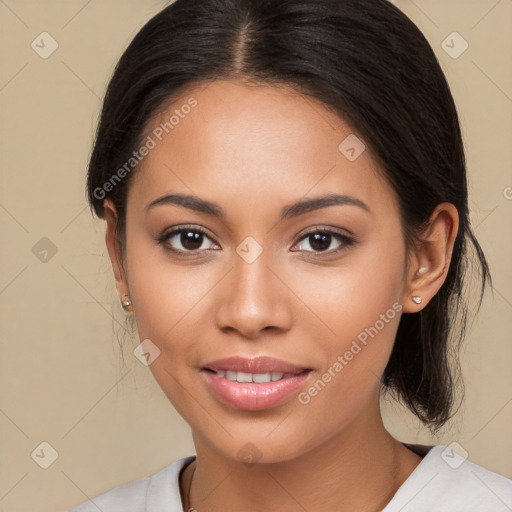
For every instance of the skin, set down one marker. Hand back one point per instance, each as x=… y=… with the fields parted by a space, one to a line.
x=253 y=150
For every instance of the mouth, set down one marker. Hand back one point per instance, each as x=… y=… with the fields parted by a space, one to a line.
x=255 y=366
x=259 y=378
x=253 y=384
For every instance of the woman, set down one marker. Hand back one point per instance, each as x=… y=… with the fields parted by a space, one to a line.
x=285 y=198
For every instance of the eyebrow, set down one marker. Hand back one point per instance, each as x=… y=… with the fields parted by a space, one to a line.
x=292 y=210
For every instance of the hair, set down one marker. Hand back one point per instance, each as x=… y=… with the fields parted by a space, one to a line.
x=367 y=62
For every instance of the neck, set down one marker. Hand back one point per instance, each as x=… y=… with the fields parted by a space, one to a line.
x=360 y=468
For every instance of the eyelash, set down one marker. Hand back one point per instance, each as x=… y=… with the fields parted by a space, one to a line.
x=346 y=240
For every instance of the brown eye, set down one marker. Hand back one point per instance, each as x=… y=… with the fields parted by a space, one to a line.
x=324 y=241
x=320 y=241
x=186 y=240
x=191 y=240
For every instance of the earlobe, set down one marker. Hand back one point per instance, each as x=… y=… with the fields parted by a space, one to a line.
x=430 y=261
x=114 y=247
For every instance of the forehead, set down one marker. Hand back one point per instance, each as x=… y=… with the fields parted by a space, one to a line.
x=252 y=141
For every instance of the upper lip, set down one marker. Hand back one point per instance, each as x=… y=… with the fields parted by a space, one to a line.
x=261 y=364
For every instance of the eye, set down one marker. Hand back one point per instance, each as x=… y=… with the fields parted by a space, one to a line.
x=323 y=240
x=186 y=240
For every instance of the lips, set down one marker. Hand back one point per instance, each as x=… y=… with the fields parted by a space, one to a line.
x=253 y=384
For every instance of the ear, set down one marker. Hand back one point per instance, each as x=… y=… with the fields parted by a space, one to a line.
x=430 y=260
x=114 y=248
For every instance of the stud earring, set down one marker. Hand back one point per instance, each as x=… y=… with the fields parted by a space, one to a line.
x=126 y=303
x=416 y=299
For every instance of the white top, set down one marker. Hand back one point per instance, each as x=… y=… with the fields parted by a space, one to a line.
x=442 y=482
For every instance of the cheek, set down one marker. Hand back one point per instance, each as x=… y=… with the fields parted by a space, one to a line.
x=151 y=292
x=162 y=291
x=352 y=296
x=168 y=302
x=364 y=314
x=360 y=303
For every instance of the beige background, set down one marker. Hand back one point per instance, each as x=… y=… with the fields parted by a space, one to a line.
x=62 y=380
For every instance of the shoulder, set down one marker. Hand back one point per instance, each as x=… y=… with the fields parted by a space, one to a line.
x=446 y=482
x=148 y=493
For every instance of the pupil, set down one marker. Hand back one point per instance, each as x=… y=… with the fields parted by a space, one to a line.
x=191 y=240
x=321 y=240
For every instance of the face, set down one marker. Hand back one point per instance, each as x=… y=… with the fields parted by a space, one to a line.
x=319 y=287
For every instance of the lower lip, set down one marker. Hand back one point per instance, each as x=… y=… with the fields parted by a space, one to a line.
x=252 y=396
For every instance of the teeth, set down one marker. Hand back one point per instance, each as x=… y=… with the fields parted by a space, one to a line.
x=262 y=377
x=250 y=377
x=243 y=377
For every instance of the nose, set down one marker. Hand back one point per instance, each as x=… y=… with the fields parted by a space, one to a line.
x=253 y=299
